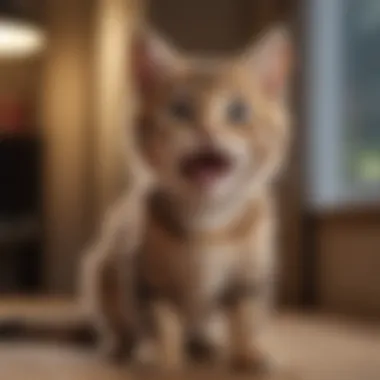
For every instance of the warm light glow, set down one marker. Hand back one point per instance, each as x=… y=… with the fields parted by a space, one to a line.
x=19 y=39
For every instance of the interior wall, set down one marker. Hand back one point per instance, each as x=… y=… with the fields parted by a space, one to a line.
x=113 y=97
x=65 y=106
x=202 y=25
x=84 y=110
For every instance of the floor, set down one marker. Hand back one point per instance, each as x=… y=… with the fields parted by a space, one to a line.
x=308 y=348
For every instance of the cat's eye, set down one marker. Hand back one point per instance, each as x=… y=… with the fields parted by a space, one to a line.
x=181 y=109
x=238 y=112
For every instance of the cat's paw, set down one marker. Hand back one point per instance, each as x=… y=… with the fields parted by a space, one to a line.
x=202 y=350
x=253 y=361
x=117 y=349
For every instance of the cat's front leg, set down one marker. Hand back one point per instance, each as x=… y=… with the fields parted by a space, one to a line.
x=251 y=297
x=107 y=285
x=205 y=337
x=168 y=331
x=116 y=314
x=245 y=314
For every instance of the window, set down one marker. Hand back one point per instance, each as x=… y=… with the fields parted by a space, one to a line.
x=362 y=42
x=344 y=102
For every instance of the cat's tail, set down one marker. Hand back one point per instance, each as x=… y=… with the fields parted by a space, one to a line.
x=74 y=331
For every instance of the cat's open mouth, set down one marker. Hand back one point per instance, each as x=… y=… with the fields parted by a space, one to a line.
x=205 y=167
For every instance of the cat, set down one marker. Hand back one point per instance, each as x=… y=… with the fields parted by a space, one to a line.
x=195 y=241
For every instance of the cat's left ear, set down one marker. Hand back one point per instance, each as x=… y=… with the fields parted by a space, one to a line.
x=271 y=59
x=153 y=59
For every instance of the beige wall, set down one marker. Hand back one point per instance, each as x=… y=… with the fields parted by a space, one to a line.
x=83 y=109
x=65 y=118
x=203 y=25
x=113 y=97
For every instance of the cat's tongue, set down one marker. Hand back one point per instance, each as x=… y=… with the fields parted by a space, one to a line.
x=204 y=176
x=205 y=168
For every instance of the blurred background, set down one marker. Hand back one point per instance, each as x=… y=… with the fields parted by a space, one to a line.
x=66 y=94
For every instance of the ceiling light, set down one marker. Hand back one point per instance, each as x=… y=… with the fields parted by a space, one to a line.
x=19 y=38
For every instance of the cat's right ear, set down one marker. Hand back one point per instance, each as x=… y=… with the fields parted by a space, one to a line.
x=153 y=58
x=272 y=59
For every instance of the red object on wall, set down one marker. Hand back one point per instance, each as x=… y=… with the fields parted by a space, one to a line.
x=13 y=115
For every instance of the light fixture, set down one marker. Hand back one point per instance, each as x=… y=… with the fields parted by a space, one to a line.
x=19 y=37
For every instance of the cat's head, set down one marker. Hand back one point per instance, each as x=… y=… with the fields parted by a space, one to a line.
x=212 y=128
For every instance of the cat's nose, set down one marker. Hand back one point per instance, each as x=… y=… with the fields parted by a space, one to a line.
x=206 y=134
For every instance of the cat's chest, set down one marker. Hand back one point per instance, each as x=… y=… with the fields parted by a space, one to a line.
x=200 y=265
x=214 y=266
x=200 y=261
x=189 y=266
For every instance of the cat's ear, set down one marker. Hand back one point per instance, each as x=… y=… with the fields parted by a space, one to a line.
x=271 y=58
x=153 y=58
